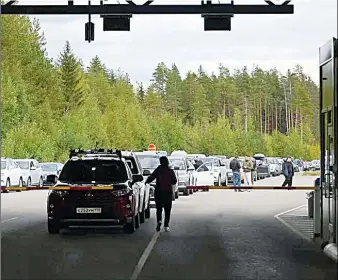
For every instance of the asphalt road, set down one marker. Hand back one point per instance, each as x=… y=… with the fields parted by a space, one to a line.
x=218 y=234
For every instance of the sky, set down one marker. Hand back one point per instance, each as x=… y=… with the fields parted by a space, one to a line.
x=280 y=41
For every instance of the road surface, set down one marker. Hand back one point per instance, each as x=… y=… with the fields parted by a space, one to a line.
x=218 y=234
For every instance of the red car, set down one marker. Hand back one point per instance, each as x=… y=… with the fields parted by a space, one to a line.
x=94 y=189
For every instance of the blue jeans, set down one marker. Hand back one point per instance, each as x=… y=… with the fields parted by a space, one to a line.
x=236 y=179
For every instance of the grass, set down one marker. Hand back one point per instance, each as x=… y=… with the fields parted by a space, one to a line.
x=311 y=173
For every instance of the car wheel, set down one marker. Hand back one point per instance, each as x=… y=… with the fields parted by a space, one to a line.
x=142 y=215
x=147 y=211
x=186 y=192
x=29 y=182
x=20 y=184
x=53 y=227
x=177 y=195
x=137 y=220
x=191 y=191
x=130 y=227
x=40 y=182
x=8 y=185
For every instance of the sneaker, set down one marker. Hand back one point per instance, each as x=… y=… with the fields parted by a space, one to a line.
x=158 y=227
x=167 y=229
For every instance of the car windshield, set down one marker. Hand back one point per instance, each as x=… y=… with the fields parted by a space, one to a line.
x=270 y=161
x=23 y=164
x=148 y=162
x=179 y=163
x=49 y=167
x=204 y=160
x=3 y=165
x=100 y=171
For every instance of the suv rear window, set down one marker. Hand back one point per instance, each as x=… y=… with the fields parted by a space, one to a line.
x=100 y=171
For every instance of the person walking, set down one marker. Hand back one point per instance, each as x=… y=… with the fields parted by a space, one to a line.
x=247 y=168
x=253 y=171
x=165 y=179
x=288 y=172
x=235 y=166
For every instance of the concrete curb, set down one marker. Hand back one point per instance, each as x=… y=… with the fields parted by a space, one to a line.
x=331 y=251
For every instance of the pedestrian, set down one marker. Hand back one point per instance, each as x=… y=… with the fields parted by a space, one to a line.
x=247 y=167
x=253 y=171
x=235 y=166
x=165 y=179
x=288 y=172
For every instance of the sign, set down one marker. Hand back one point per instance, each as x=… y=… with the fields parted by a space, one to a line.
x=151 y=147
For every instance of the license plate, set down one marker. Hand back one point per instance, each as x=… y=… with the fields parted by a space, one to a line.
x=88 y=210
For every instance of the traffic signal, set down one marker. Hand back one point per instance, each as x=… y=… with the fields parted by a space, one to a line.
x=89 y=31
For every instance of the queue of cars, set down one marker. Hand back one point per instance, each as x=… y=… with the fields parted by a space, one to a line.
x=112 y=183
x=26 y=172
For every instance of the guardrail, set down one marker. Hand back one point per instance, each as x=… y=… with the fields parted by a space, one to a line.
x=204 y=188
x=250 y=188
x=58 y=188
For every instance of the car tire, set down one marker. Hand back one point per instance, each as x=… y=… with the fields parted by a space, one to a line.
x=130 y=227
x=53 y=227
x=142 y=215
x=20 y=184
x=147 y=211
x=137 y=220
x=191 y=191
x=186 y=192
x=8 y=185
x=29 y=182
x=40 y=182
x=177 y=195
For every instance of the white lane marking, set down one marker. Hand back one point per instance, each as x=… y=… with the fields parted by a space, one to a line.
x=144 y=256
x=11 y=219
x=290 y=210
x=300 y=234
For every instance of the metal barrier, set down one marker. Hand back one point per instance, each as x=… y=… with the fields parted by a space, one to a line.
x=204 y=188
x=59 y=188
x=249 y=188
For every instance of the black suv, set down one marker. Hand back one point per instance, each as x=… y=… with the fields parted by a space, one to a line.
x=95 y=187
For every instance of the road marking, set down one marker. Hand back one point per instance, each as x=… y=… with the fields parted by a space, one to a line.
x=144 y=256
x=300 y=234
x=288 y=211
x=11 y=219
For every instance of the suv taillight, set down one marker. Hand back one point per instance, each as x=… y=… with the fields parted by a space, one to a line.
x=120 y=192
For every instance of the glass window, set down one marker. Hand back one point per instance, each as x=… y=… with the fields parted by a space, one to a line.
x=49 y=167
x=23 y=164
x=179 y=163
x=3 y=164
x=148 y=162
x=203 y=168
x=100 y=171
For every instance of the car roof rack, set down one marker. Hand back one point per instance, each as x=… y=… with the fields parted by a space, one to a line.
x=96 y=151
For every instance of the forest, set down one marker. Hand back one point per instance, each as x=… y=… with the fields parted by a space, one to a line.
x=52 y=105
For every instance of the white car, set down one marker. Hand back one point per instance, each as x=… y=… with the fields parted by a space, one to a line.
x=11 y=173
x=203 y=175
x=274 y=166
x=32 y=172
x=218 y=169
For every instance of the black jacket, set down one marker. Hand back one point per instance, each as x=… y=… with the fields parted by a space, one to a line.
x=288 y=169
x=235 y=166
x=165 y=178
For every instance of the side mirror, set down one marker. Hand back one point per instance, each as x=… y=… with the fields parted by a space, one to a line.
x=51 y=179
x=146 y=172
x=33 y=168
x=191 y=169
x=137 y=178
x=176 y=168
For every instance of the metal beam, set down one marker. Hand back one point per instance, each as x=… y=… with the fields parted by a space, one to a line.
x=145 y=9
